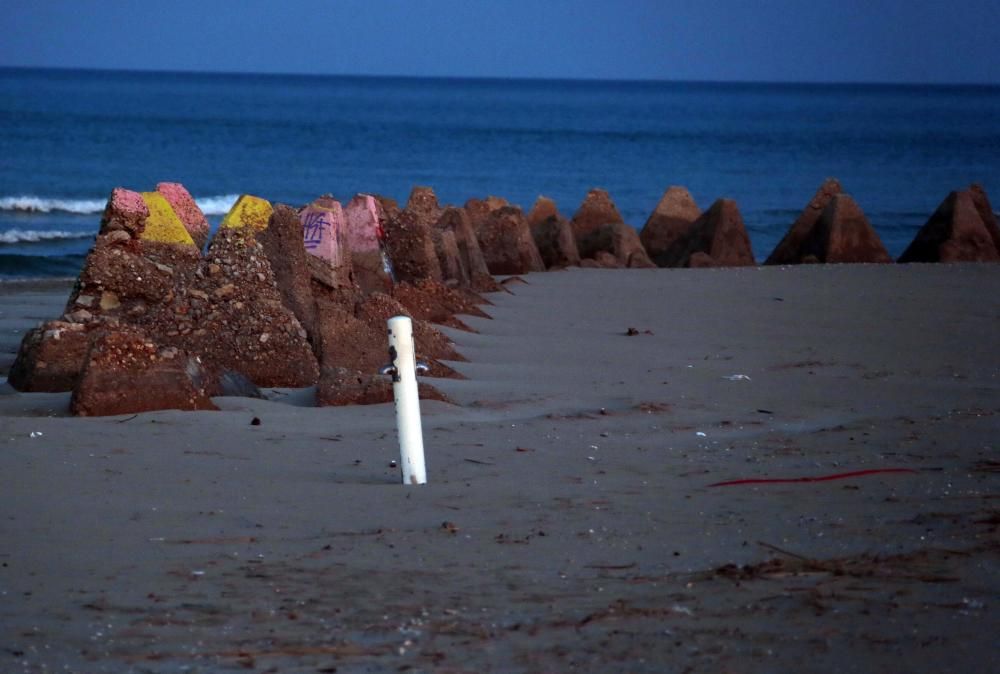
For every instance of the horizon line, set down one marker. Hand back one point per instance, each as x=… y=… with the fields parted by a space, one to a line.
x=498 y=78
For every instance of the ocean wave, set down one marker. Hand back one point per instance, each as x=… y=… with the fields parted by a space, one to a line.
x=32 y=204
x=214 y=205
x=218 y=205
x=35 y=236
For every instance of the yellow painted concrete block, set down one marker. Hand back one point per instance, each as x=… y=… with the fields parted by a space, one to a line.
x=249 y=211
x=163 y=224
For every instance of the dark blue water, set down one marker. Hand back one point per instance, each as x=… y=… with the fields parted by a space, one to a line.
x=68 y=137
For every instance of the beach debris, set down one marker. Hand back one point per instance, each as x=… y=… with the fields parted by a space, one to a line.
x=737 y=377
x=701 y=434
x=986 y=466
x=631 y=332
x=718 y=238
x=918 y=565
x=617 y=240
x=553 y=235
x=652 y=407
x=403 y=365
x=665 y=233
x=505 y=239
x=365 y=241
x=821 y=478
x=324 y=235
x=449 y=527
x=963 y=229
x=596 y=210
x=126 y=373
x=611 y=567
x=621 y=609
x=35 y=434
x=789 y=249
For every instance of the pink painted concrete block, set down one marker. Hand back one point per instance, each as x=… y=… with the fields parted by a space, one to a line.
x=364 y=228
x=324 y=231
x=127 y=201
x=187 y=210
x=372 y=269
x=125 y=210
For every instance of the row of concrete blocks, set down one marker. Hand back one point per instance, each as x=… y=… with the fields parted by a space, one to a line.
x=831 y=229
x=161 y=317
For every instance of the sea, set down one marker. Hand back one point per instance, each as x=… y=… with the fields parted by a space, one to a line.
x=68 y=137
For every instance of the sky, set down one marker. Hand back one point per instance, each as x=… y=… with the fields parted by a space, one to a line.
x=913 y=41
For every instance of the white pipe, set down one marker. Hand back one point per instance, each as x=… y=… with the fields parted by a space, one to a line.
x=404 y=390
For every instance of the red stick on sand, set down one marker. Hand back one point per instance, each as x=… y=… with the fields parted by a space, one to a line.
x=822 y=478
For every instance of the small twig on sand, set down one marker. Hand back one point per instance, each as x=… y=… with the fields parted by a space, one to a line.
x=788 y=553
x=610 y=567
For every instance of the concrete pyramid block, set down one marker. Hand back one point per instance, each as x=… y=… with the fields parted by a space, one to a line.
x=248 y=211
x=789 y=249
x=553 y=235
x=324 y=235
x=365 y=235
x=597 y=209
x=187 y=210
x=667 y=227
x=163 y=224
x=956 y=232
x=718 y=238
x=843 y=235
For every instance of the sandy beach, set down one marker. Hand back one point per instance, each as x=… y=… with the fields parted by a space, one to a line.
x=570 y=522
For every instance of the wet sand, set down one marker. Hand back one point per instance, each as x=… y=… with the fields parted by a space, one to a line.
x=569 y=523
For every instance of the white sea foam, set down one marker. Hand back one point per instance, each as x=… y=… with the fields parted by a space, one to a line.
x=34 y=236
x=33 y=204
x=27 y=203
x=218 y=205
